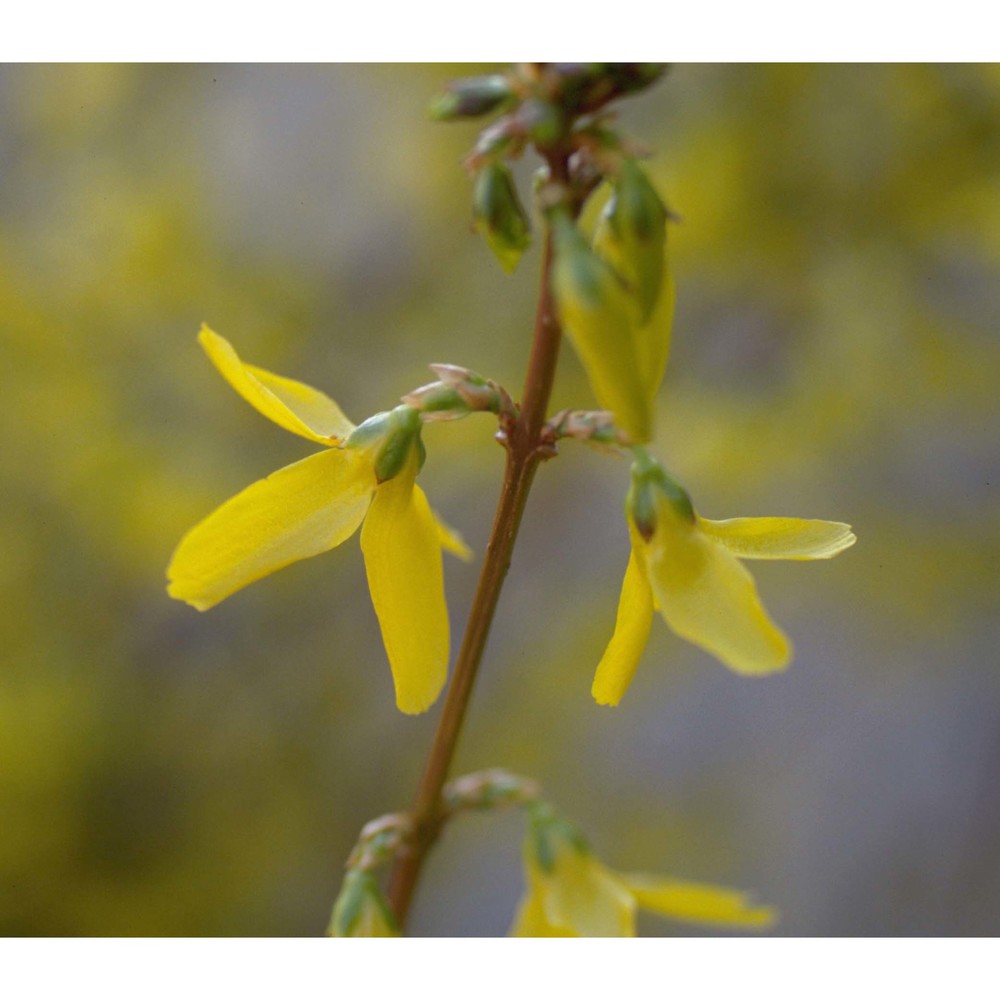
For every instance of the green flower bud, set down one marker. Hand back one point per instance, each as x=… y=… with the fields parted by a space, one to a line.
x=391 y=434
x=632 y=235
x=499 y=214
x=586 y=87
x=599 y=319
x=360 y=910
x=471 y=97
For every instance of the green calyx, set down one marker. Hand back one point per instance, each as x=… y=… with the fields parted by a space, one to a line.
x=359 y=895
x=651 y=485
x=549 y=833
x=391 y=435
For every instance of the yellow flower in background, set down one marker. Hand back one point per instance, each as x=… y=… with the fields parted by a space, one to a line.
x=570 y=893
x=688 y=568
x=366 y=474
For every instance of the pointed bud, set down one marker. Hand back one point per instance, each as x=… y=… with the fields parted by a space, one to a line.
x=499 y=214
x=472 y=97
x=599 y=318
x=632 y=235
x=360 y=910
x=459 y=392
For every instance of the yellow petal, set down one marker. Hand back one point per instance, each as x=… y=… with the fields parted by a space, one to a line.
x=298 y=511
x=635 y=615
x=402 y=549
x=652 y=337
x=698 y=903
x=530 y=919
x=780 y=537
x=293 y=405
x=652 y=340
x=599 y=319
x=584 y=896
x=707 y=597
x=452 y=541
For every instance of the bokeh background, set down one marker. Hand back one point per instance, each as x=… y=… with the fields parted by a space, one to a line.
x=836 y=355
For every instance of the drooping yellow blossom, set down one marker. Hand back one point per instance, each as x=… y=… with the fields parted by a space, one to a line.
x=600 y=317
x=361 y=910
x=616 y=301
x=570 y=893
x=632 y=236
x=688 y=568
x=366 y=474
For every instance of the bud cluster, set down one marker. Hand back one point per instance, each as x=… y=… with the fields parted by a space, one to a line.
x=554 y=107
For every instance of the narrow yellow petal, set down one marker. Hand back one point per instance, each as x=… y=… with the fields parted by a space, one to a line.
x=298 y=511
x=708 y=597
x=402 y=549
x=530 y=919
x=780 y=537
x=452 y=541
x=698 y=903
x=635 y=615
x=584 y=896
x=652 y=339
x=293 y=405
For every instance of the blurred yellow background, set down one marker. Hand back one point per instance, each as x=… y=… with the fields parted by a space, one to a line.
x=837 y=355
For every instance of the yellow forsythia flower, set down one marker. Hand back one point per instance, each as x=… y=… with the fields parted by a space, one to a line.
x=599 y=316
x=361 y=910
x=572 y=894
x=366 y=474
x=688 y=568
x=640 y=255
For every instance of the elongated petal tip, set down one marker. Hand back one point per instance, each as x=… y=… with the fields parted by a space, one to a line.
x=699 y=903
x=635 y=616
x=402 y=548
x=293 y=405
x=180 y=592
x=297 y=512
x=451 y=541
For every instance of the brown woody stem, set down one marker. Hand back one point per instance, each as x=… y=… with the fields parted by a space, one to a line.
x=525 y=451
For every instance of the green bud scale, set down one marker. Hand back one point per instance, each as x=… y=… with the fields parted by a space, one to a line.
x=499 y=214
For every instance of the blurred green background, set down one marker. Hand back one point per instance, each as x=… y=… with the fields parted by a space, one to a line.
x=836 y=356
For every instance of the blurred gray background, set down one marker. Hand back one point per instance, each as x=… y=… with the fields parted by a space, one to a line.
x=836 y=355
